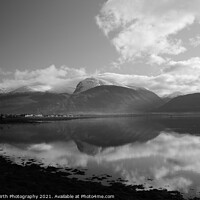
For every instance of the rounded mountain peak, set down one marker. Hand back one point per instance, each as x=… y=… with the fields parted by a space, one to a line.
x=89 y=83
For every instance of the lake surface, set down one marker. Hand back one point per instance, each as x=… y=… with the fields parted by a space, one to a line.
x=156 y=153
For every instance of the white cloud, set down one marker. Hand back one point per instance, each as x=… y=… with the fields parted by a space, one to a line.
x=177 y=76
x=195 y=42
x=61 y=79
x=155 y=59
x=147 y=28
x=49 y=73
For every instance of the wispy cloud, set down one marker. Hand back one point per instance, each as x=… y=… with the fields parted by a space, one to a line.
x=177 y=76
x=195 y=42
x=146 y=28
x=49 y=74
x=4 y=73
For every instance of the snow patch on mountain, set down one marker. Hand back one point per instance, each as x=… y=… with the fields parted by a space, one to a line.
x=32 y=88
x=3 y=90
x=89 y=83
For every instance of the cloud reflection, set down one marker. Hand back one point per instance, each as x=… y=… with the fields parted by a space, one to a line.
x=168 y=161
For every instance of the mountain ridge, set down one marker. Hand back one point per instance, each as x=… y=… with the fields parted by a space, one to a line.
x=80 y=86
x=100 y=99
x=93 y=95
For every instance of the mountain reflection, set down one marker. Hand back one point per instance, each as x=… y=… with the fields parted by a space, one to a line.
x=140 y=151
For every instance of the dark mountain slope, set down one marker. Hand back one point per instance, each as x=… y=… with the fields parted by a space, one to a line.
x=113 y=99
x=185 y=103
x=34 y=102
x=100 y=99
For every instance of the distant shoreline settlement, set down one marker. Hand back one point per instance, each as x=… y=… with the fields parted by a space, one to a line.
x=27 y=117
x=33 y=115
x=21 y=118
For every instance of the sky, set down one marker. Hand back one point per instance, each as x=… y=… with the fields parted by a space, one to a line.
x=149 y=43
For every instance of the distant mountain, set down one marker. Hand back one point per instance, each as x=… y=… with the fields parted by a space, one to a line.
x=184 y=103
x=31 y=88
x=168 y=97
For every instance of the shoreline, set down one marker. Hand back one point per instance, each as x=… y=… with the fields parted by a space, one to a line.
x=21 y=119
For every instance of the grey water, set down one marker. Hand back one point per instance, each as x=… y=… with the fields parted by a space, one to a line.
x=158 y=153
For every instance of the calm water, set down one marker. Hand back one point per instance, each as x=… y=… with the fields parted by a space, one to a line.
x=157 y=153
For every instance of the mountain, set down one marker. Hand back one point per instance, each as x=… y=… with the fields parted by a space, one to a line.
x=184 y=103
x=98 y=99
x=89 y=83
x=70 y=86
x=113 y=99
x=92 y=82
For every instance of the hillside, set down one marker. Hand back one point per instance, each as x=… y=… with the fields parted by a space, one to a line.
x=113 y=99
x=184 y=103
x=34 y=102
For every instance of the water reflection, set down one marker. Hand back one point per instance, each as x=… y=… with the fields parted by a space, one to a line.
x=154 y=153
